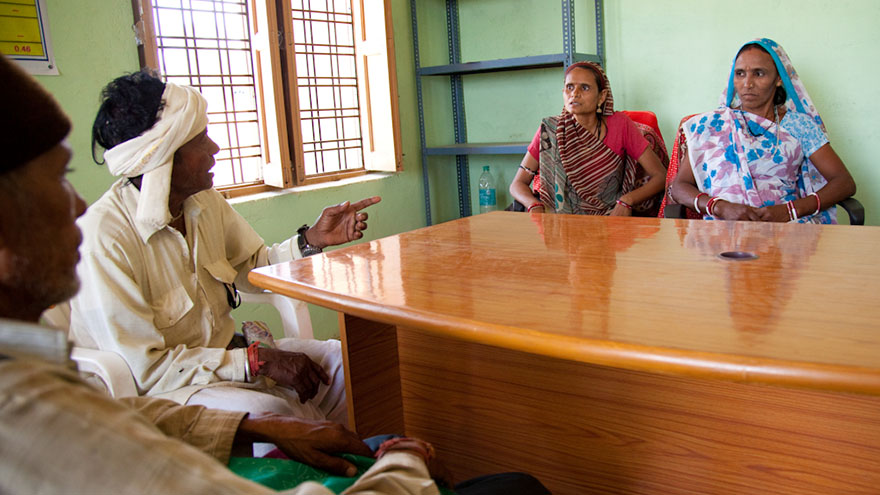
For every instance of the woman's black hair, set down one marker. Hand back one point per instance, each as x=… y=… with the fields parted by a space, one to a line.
x=130 y=105
x=780 y=95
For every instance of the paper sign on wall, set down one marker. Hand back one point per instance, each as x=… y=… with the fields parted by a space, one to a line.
x=24 y=35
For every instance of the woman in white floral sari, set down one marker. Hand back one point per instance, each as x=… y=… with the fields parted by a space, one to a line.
x=763 y=155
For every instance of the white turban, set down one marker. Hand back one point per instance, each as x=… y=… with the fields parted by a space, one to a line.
x=151 y=154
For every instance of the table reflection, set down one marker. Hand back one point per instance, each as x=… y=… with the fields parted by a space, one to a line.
x=759 y=290
x=590 y=262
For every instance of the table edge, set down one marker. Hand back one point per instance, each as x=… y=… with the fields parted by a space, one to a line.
x=652 y=359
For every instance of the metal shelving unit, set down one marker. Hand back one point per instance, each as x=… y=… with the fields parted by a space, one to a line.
x=456 y=69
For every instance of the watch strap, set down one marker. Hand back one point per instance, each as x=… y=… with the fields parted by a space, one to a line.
x=304 y=247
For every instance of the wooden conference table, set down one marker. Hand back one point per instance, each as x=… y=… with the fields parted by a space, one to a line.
x=616 y=355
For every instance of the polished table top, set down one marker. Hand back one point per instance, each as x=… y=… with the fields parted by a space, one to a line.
x=643 y=294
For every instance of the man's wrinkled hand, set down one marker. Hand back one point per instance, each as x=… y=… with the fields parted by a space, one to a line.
x=310 y=442
x=293 y=370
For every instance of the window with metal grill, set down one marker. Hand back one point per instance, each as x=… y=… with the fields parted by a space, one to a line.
x=326 y=75
x=299 y=91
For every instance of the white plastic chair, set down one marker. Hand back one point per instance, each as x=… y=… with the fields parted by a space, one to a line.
x=295 y=319
x=114 y=372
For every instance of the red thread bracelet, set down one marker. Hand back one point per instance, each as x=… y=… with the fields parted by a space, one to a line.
x=624 y=203
x=423 y=448
x=253 y=357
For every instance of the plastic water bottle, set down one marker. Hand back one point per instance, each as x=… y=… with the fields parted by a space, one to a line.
x=487 y=191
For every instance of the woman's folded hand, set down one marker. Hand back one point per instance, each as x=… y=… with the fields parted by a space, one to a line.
x=734 y=211
x=775 y=213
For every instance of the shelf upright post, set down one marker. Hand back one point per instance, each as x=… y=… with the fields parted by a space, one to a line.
x=456 y=69
x=452 y=33
x=415 y=34
x=568 y=44
x=600 y=30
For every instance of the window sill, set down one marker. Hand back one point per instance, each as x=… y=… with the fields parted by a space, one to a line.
x=274 y=193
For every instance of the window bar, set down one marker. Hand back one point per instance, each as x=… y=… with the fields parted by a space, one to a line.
x=357 y=96
x=224 y=113
x=158 y=26
x=313 y=90
x=237 y=171
x=313 y=72
x=312 y=78
x=336 y=90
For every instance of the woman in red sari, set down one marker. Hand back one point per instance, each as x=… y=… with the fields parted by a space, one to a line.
x=591 y=160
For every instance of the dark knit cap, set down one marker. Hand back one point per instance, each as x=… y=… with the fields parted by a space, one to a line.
x=31 y=122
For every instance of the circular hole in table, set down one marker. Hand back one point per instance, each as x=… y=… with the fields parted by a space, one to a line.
x=738 y=256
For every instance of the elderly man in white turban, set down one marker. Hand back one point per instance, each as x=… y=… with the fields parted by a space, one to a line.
x=163 y=254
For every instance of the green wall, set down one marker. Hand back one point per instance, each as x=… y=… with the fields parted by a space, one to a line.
x=674 y=56
x=669 y=56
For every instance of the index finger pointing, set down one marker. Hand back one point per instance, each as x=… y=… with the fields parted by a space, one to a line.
x=360 y=205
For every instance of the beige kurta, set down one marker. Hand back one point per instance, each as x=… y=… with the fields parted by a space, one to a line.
x=158 y=299
x=58 y=435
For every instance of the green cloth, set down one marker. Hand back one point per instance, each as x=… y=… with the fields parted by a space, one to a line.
x=283 y=474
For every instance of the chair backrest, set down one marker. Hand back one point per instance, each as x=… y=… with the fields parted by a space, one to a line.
x=672 y=171
x=647 y=123
x=111 y=370
x=295 y=318
x=644 y=117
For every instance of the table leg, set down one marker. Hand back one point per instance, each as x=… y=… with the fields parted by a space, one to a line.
x=372 y=376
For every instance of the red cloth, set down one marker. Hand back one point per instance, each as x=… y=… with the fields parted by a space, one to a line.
x=647 y=118
x=672 y=170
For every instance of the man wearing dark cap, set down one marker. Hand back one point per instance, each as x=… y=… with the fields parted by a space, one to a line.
x=58 y=435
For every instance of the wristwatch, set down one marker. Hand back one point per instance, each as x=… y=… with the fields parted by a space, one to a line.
x=304 y=247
